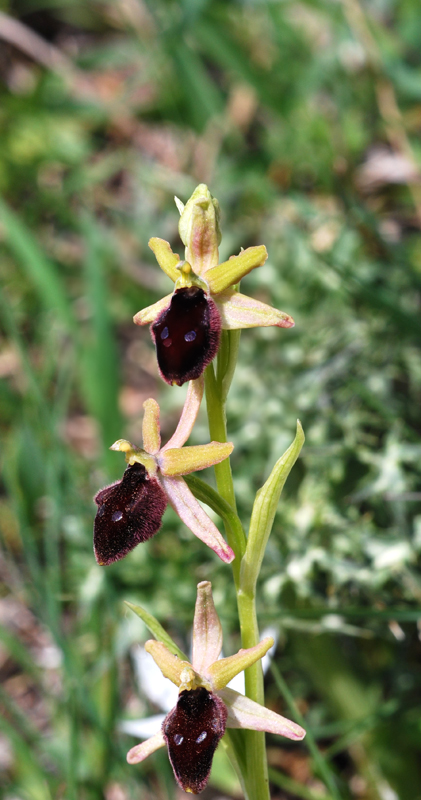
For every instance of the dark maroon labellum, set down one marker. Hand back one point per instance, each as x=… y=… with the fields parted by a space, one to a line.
x=186 y=335
x=130 y=512
x=192 y=731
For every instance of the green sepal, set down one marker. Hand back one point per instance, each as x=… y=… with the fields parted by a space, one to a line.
x=263 y=514
x=157 y=630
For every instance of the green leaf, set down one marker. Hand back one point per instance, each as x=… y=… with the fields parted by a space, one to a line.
x=38 y=269
x=264 y=510
x=99 y=357
x=157 y=630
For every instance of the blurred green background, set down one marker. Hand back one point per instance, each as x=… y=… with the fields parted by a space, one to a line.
x=304 y=120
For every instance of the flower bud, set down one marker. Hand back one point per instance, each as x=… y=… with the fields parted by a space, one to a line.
x=199 y=230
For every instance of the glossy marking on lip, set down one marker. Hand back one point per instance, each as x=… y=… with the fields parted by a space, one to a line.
x=186 y=335
x=129 y=512
x=192 y=731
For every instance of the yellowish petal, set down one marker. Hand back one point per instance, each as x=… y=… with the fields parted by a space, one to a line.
x=150 y=313
x=150 y=427
x=223 y=671
x=240 y=311
x=230 y=272
x=165 y=257
x=183 y=460
x=141 y=751
x=170 y=666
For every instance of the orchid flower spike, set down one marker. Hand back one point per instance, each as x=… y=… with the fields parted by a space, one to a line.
x=130 y=510
x=205 y=707
x=186 y=325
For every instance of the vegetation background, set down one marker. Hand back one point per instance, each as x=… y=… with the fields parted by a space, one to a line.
x=304 y=118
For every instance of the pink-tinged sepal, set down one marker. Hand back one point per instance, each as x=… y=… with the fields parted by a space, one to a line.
x=192 y=731
x=245 y=713
x=240 y=311
x=188 y=415
x=142 y=751
x=186 y=335
x=129 y=512
x=207 y=630
x=192 y=514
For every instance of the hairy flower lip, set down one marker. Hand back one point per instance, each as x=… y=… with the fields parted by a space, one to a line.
x=164 y=469
x=211 y=673
x=187 y=332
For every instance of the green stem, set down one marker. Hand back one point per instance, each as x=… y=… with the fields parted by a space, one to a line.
x=255 y=775
x=218 y=433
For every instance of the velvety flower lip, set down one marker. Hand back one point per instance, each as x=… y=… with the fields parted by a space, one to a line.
x=130 y=510
x=206 y=707
x=186 y=325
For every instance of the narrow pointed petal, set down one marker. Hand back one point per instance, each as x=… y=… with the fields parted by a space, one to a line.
x=139 y=752
x=223 y=671
x=240 y=311
x=207 y=630
x=183 y=460
x=188 y=414
x=231 y=271
x=150 y=313
x=165 y=257
x=192 y=514
x=170 y=665
x=245 y=713
x=199 y=229
x=150 y=427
